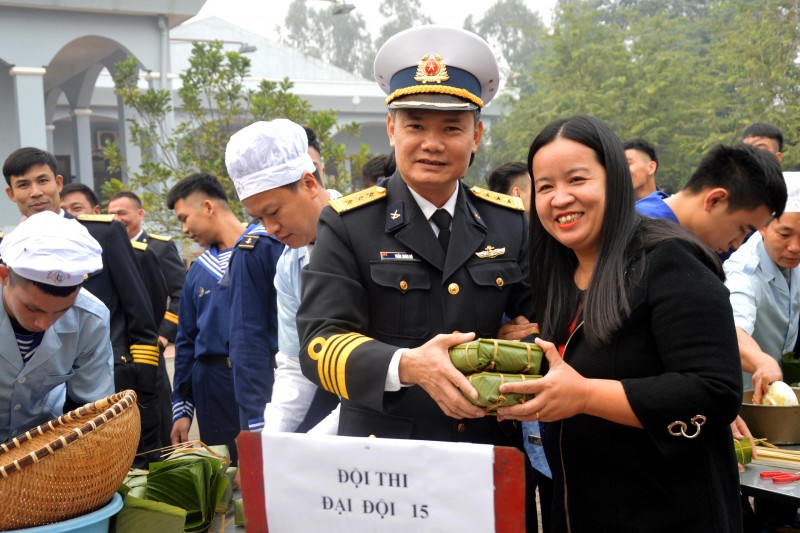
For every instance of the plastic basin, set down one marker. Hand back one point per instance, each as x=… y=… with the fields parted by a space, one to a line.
x=95 y=522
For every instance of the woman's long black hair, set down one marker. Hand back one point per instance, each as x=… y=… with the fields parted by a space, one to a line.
x=625 y=235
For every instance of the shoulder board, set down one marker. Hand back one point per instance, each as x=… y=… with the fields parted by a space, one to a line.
x=357 y=199
x=96 y=218
x=159 y=237
x=512 y=202
x=139 y=245
x=248 y=242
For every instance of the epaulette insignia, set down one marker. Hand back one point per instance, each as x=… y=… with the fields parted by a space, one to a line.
x=139 y=245
x=96 y=218
x=248 y=242
x=357 y=199
x=159 y=237
x=512 y=202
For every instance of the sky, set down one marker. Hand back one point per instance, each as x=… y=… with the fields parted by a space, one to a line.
x=262 y=16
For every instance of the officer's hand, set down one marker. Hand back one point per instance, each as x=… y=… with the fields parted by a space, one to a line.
x=163 y=341
x=517 y=329
x=180 y=430
x=429 y=367
x=767 y=372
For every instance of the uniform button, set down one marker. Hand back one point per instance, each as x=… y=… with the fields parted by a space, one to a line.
x=18 y=407
x=22 y=380
x=453 y=288
x=403 y=285
x=499 y=282
x=461 y=427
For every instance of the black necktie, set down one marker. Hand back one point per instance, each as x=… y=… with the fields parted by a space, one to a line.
x=442 y=220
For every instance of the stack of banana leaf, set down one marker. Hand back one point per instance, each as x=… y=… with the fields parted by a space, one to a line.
x=181 y=493
x=488 y=363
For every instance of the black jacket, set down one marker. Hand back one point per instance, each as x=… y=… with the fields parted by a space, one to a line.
x=121 y=287
x=174 y=271
x=677 y=357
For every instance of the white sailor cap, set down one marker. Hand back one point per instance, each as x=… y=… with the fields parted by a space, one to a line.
x=267 y=155
x=792 y=191
x=51 y=249
x=437 y=67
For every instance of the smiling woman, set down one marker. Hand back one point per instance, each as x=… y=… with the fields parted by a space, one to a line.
x=610 y=290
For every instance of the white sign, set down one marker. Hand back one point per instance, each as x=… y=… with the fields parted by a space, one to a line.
x=346 y=484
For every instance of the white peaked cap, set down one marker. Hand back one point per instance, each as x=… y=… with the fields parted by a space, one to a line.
x=267 y=155
x=792 y=191
x=51 y=249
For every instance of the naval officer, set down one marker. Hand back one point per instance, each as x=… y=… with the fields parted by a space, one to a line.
x=399 y=270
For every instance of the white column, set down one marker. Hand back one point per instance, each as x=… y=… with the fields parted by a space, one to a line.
x=82 y=145
x=29 y=100
x=50 y=128
x=128 y=150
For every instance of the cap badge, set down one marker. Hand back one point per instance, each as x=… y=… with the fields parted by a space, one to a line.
x=57 y=277
x=431 y=69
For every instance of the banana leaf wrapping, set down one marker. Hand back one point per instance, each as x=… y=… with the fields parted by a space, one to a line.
x=744 y=450
x=488 y=386
x=493 y=355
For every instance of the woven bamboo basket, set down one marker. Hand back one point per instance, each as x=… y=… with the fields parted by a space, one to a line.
x=70 y=466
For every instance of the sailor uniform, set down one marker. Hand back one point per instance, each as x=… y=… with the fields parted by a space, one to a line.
x=253 y=322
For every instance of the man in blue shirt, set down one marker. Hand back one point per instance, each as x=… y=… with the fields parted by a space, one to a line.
x=53 y=334
x=734 y=190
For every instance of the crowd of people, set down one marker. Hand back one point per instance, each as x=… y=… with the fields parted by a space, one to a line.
x=335 y=314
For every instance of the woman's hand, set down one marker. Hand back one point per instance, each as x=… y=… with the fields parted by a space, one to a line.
x=560 y=394
x=564 y=393
x=517 y=329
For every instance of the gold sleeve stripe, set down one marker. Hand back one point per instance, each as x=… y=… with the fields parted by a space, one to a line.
x=145 y=360
x=144 y=348
x=331 y=356
x=172 y=317
x=323 y=361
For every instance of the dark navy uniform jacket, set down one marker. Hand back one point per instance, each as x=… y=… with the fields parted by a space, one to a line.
x=378 y=280
x=174 y=271
x=120 y=285
x=253 y=322
x=152 y=276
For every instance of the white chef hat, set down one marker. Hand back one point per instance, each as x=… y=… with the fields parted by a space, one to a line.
x=51 y=249
x=792 y=191
x=267 y=155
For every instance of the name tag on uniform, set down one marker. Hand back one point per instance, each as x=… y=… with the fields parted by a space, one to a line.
x=398 y=256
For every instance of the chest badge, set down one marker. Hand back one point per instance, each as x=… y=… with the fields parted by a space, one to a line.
x=490 y=252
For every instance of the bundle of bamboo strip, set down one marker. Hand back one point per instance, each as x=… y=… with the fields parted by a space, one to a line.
x=771 y=455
